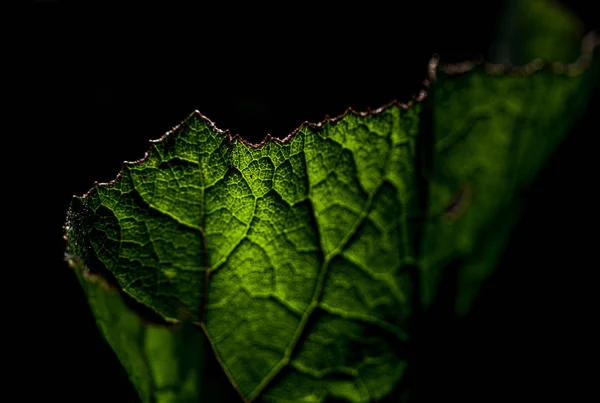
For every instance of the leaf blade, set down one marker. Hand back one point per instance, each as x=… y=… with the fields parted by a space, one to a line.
x=291 y=256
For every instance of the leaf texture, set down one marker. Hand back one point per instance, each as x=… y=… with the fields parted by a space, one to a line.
x=278 y=251
x=292 y=261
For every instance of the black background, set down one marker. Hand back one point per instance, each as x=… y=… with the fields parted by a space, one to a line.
x=99 y=81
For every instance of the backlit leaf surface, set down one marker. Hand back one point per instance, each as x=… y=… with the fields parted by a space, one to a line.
x=292 y=261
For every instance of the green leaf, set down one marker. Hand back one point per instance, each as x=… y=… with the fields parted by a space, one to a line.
x=289 y=255
x=493 y=134
x=292 y=262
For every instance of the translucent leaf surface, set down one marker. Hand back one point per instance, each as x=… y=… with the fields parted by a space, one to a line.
x=292 y=261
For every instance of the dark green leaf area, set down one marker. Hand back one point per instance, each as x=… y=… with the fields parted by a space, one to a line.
x=493 y=132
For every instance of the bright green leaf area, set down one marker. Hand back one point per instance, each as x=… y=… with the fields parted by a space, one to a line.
x=289 y=255
x=291 y=261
